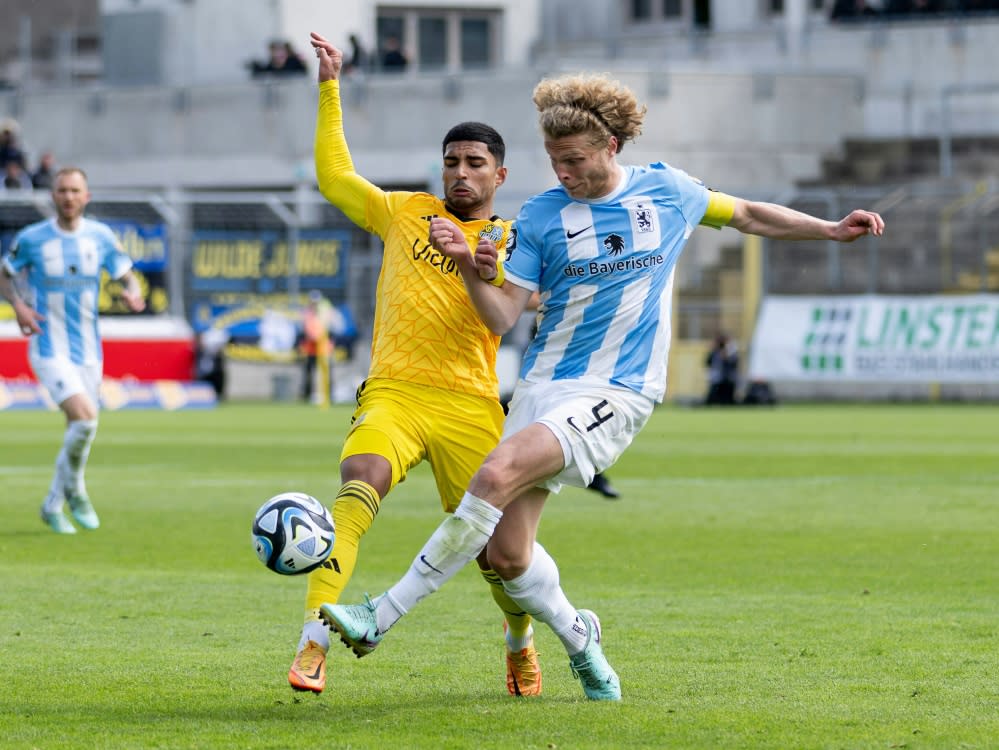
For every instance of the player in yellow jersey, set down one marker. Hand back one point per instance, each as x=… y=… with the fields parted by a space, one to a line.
x=432 y=392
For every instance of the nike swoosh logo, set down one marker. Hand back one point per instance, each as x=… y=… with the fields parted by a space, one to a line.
x=315 y=675
x=571 y=235
x=423 y=559
x=573 y=425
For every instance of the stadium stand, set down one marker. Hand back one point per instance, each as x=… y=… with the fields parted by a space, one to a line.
x=830 y=115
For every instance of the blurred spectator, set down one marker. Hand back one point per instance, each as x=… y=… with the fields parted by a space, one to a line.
x=317 y=343
x=393 y=59
x=760 y=393
x=209 y=364
x=723 y=371
x=845 y=9
x=10 y=149
x=912 y=7
x=42 y=177
x=14 y=177
x=977 y=6
x=277 y=334
x=282 y=60
x=358 y=60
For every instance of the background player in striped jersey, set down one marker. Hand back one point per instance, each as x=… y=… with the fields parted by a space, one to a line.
x=63 y=258
x=432 y=392
x=601 y=249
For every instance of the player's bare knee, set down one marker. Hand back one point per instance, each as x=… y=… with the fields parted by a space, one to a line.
x=508 y=563
x=371 y=469
x=494 y=477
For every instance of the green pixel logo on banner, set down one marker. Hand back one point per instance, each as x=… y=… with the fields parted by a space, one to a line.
x=826 y=339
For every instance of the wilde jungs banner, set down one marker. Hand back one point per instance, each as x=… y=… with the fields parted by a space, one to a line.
x=936 y=339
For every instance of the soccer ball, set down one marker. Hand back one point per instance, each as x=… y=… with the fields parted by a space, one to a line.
x=293 y=533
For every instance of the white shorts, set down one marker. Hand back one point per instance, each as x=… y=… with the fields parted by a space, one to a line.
x=593 y=424
x=63 y=378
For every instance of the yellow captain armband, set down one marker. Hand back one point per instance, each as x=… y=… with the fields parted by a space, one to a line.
x=500 y=276
x=721 y=207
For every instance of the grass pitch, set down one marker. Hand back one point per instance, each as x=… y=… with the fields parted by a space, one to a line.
x=804 y=577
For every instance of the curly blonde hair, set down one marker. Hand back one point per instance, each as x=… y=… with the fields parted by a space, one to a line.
x=592 y=104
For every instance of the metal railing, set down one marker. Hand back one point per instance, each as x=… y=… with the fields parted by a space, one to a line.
x=940 y=238
x=283 y=221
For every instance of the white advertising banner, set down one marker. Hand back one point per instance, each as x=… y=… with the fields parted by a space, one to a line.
x=934 y=339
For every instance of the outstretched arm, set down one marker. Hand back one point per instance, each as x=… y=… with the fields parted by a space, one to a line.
x=782 y=223
x=338 y=181
x=498 y=306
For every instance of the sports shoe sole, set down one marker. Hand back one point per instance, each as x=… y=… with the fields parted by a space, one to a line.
x=360 y=648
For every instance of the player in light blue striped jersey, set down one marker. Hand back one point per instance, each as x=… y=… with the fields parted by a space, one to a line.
x=63 y=258
x=600 y=249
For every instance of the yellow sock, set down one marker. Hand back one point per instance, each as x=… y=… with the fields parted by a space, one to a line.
x=354 y=510
x=517 y=620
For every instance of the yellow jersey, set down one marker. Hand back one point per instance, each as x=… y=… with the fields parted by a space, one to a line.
x=426 y=329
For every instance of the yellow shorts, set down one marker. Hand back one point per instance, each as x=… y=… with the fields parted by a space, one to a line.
x=406 y=423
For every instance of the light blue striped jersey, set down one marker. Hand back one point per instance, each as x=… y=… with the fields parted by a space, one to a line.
x=604 y=269
x=64 y=273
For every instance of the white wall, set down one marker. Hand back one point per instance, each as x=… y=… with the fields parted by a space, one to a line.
x=736 y=15
x=208 y=42
x=260 y=135
x=211 y=42
x=336 y=20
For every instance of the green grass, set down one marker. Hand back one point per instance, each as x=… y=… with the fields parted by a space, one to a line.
x=805 y=577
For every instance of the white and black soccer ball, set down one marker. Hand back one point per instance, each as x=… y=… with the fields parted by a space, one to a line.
x=293 y=533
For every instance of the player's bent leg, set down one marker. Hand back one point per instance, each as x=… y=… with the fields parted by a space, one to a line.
x=455 y=543
x=539 y=592
x=354 y=511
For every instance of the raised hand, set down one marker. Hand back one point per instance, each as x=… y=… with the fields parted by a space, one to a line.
x=330 y=58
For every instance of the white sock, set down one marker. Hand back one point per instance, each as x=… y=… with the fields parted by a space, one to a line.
x=455 y=543
x=79 y=437
x=315 y=630
x=516 y=645
x=538 y=592
x=56 y=498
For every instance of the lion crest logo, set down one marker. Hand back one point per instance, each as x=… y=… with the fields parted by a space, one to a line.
x=614 y=243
